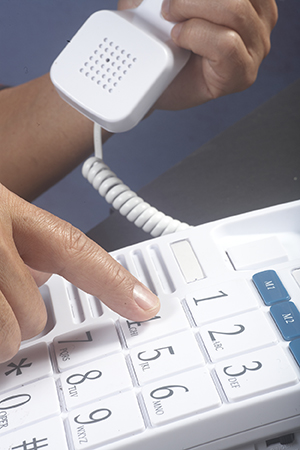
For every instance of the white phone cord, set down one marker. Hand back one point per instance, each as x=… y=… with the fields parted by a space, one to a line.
x=122 y=198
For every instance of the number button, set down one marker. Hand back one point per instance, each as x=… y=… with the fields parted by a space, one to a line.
x=105 y=421
x=236 y=335
x=170 y=319
x=220 y=301
x=166 y=356
x=27 y=404
x=47 y=434
x=256 y=373
x=179 y=396
x=95 y=380
x=80 y=346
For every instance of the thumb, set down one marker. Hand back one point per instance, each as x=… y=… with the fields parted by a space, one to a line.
x=49 y=244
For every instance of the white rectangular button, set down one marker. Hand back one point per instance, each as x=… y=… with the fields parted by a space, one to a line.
x=237 y=334
x=221 y=300
x=165 y=356
x=187 y=261
x=170 y=319
x=107 y=420
x=296 y=275
x=180 y=395
x=256 y=373
x=29 y=364
x=83 y=345
x=48 y=434
x=27 y=404
x=257 y=254
x=95 y=380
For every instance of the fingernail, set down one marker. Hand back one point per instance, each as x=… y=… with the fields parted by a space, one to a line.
x=165 y=8
x=144 y=298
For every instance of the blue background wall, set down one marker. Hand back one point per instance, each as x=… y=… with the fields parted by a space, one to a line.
x=33 y=32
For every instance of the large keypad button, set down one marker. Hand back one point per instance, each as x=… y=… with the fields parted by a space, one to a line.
x=48 y=434
x=221 y=300
x=237 y=334
x=28 y=365
x=95 y=380
x=105 y=421
x=77 y=347
x=27 y=404
x=170 y=319
x=256 y=373
x=162 y=357
x=179 y=396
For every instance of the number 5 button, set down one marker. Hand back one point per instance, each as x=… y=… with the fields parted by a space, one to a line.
x=166 y=356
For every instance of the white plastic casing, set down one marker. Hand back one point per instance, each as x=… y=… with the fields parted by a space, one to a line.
x=118 y=64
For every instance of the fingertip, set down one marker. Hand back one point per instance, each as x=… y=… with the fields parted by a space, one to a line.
x=176 y=31
x=165 y=9
x=146 y=300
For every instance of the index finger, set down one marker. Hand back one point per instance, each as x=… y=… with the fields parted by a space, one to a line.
x=49 y=244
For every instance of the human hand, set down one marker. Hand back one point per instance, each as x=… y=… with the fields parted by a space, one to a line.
x=228 y=39
x=33 y=240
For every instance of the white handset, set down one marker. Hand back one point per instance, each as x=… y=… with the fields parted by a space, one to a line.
x=118 y=64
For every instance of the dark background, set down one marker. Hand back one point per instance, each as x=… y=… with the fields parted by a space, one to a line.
x=33 y=32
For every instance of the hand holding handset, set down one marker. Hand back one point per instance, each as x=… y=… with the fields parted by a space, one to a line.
x=118 y=64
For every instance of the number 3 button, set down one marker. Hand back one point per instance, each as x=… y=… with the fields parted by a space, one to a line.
x=255 y=373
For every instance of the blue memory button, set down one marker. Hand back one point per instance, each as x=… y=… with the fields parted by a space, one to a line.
x=270 y=287
x=287 y=318
x=295 y=349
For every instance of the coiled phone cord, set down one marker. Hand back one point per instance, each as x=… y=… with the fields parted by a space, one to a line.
x=122 y=198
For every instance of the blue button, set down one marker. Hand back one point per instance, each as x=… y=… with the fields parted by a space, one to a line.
x=287 y=318
x=270 y=287
x=295 y=348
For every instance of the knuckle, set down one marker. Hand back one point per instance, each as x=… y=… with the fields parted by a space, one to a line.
x=230 y=47
x=34 y=322
x=239 y=11
x=116 y=274
x=10 y=336
x=74 y=241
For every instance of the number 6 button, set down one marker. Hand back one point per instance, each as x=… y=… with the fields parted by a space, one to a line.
x=179 y=396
